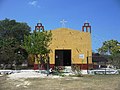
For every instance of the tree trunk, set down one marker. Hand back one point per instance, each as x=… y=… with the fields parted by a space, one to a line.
x=4 y=66
x=48 y=65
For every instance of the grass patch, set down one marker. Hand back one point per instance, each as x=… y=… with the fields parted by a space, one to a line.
x=87 y=82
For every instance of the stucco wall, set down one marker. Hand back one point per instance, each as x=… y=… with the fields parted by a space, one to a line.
x=79 y=43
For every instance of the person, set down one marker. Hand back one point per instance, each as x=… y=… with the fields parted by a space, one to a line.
x=50 y=71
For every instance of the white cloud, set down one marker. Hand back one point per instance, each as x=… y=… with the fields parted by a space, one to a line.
x=33 y=3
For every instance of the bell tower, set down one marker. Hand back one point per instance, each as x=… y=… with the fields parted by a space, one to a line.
x=86 y=27
x=39 y=27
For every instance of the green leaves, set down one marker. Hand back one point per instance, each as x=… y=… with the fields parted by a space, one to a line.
x=7 y=48
x=37 y=42
x=110 y=47
x=11 y=36
x=11 y=28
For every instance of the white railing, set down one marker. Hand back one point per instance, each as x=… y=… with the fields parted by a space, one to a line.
x=104 y=71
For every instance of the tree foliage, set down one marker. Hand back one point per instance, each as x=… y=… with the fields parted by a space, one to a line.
x=7 y=48
x=115 y=60
x=11 y=36
x=11 y=28
x=37 y=42
x=111 y=49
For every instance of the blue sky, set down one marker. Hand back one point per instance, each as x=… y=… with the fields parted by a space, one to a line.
x=103 y=15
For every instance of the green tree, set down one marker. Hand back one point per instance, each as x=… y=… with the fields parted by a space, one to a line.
x=11 y=28
x=11 y=37
x=38 y=44
x=111 y=50
x=115 y=60
x=110 y=47
x=7 y=48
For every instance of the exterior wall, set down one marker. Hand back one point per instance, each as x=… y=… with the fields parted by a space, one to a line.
x=78 y=42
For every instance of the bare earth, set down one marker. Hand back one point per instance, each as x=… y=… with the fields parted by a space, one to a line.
x=96 y=82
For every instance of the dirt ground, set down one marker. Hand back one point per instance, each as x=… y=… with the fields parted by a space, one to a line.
x=96 y=82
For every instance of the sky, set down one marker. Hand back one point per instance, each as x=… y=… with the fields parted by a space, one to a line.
x=103 y=16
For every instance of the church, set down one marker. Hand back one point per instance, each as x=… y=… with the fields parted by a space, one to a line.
x=71 y=47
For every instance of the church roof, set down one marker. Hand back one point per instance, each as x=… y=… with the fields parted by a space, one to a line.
x=68 y=29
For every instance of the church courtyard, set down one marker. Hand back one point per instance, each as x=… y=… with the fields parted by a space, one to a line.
x=87 y=82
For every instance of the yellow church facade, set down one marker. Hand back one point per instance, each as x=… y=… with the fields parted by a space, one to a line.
x=71 y=47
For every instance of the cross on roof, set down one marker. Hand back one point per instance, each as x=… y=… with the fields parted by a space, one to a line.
x=39 y=21
x=63 y=22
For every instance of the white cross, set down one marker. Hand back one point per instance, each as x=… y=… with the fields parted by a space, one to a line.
x=63 y=22
x=39 y=21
